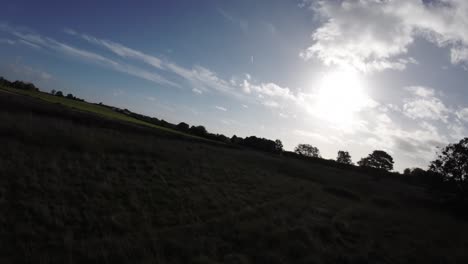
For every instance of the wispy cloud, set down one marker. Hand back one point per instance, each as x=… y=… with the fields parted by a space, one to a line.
x=200 y=78
x=6 y=41
x=221 y=108
x=30 y=73
x=120 y=50
x=197 y=91
x=39 y=41
x=270 y=27
x=27 y=43
x=243 y=24
x=271 y=103
x=425 y=105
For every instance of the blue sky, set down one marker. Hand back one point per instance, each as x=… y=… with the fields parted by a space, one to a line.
x=340 y=75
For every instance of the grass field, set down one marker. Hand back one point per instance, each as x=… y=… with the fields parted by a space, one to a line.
x=79 y=188
x=89 y=107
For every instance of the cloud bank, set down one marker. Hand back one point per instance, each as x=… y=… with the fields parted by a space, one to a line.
x=374 y=35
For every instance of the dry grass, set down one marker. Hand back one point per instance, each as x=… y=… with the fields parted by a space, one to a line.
x=78 y=190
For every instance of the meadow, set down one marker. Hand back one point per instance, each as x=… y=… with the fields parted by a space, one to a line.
x=81 y=185
x=98 y=109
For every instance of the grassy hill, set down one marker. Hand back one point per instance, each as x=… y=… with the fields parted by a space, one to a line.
x=90 y=186
x=101 y=110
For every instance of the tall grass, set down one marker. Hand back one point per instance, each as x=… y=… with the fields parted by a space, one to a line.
x=75 y=188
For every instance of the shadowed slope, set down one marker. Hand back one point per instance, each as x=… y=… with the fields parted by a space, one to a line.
x=78 y=188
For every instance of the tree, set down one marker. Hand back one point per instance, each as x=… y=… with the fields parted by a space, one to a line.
x=452 y=163
x=262 y=144
x=59 y=94
x=307 y=150
x=198 y=130
x=183 y=126
x=414 y=172
x=344 y=157
x=278 y=145
x=378 y=159
x=236 y=140
x=4 y=81
x=70 y=96
x=53 y=92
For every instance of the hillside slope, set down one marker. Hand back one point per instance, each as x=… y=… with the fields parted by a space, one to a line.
x=78 y=188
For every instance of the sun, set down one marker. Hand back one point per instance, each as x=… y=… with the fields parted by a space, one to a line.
x=340 y=95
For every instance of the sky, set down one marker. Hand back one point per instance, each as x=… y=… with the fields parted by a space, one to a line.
x=354 y=75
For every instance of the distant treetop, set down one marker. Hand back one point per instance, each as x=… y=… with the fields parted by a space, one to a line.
x=378 y=159
x=307 y=150
x=344 y=157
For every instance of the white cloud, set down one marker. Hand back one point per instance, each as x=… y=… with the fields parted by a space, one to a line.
x=268 y=89
x=462 y=114
x=425 y=105
x=271 y=103
x=372 y=35
x=421 y=91
x=363 y=34
x=221 y=108
x=197 y=91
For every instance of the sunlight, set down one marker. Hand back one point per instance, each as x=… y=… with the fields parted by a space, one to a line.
x=340 y=96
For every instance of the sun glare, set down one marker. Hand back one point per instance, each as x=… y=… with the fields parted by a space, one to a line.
x=340 y=96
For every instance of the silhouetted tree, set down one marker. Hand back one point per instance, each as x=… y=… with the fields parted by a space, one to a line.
x=70 y=96
x=414 y=172
x=418 y=176
x=236 y=140
x=278 y=145
x=344 y=157
x=24 y=86
x=418 y=172
x=59 y=94
x=262 y=144
x=53 y=92
x=307 y=150
x=452 y=164
x=378 y=159
x=183 y=126
x=220 y=137
x=4 y=82
x=198 y=130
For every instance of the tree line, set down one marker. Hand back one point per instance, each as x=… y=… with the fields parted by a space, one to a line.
x=18 y=85
x=69 y=96
x=28 y=86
